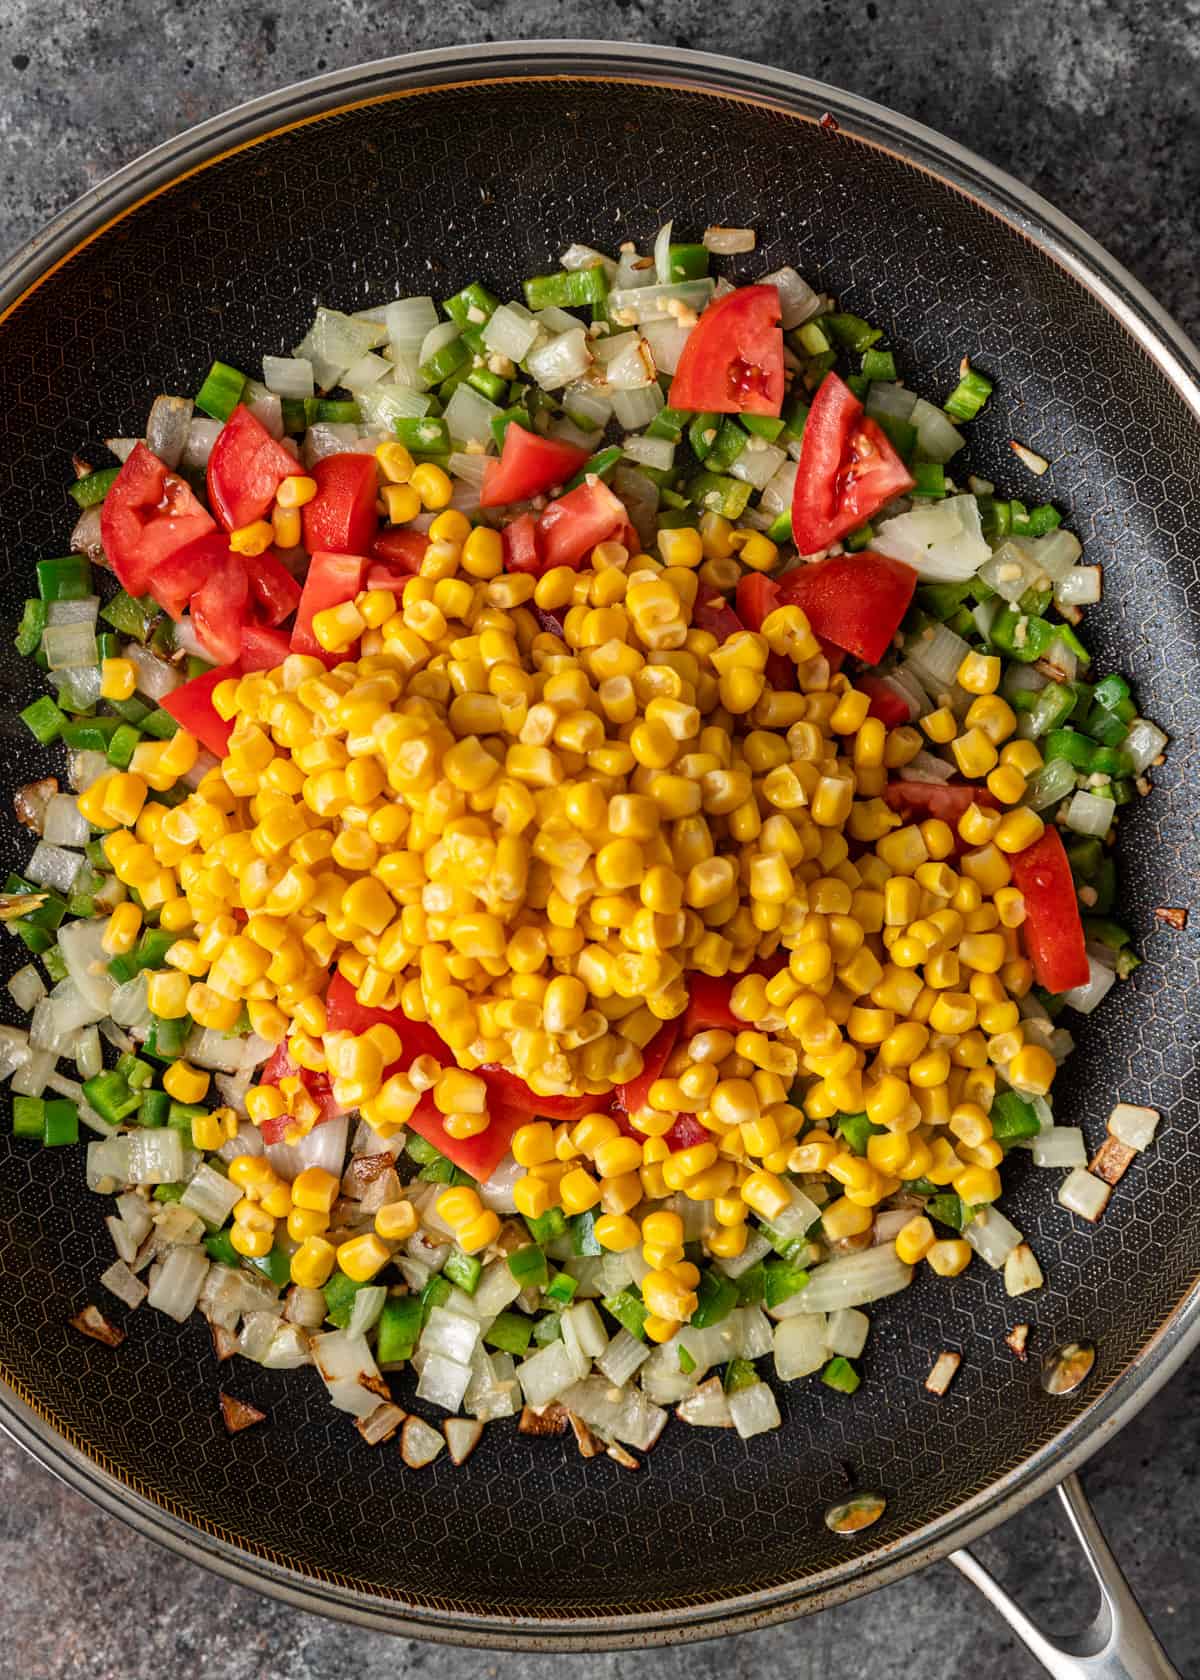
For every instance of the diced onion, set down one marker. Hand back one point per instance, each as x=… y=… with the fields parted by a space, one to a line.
x=334 y=341
x=202 y=435
x=937 y=438
x=662 y=254
x=85 y=537
x=265 y=406
x=155 y=678
x=288 y=376
x=82 y=946
x=65 y=824
x=1144 y=743
x=754 y=1410
x=562 y=360
x=30 y=1078
x=383 y=405
x=758 y=466
x=467 y=468
x=167 y=429
x=937 y=654
x=992 y=1236
x=649 y=303
x=1082 y=1193
x=73 y=612
x=122 y=1283
x=853 y=1280
x=800 y=1345
x=176 y=1287
x=588 y=407
x=409 y=322
x=583 y=256
x=69 y=645
x=650 y=451
x=1080 y=587
x=1010 y=571
x=511 y=331
x=622 y=1357
x=634 y=409
x=1090 y=813
x=211 y=1195
x=1051 y=784
x=666 y=339
x=1022 y=1272
x=469 y=415
x=1133 y=1125
x=943 y=543
x=797 y=300
x=368 y=1304
x=846 y=1332
x=52 y=866
x=1059 y=1146
x=545 y=1375
x=891 y=401
x=78 y=688
x=728 y=241
x=778 y=491
x=450 y=1334
x=324 y=1146
x=27 y=988
x=1095 y=989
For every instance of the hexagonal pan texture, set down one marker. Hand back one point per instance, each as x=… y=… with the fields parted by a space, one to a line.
x=417 y=176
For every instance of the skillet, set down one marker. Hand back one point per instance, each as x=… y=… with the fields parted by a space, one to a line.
x=418 y=174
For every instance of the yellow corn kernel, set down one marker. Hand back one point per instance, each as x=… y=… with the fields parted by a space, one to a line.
x=1019 y=830
x=185 y=1083
x=533 y=1196
x=306 y=1222
x=1023 y=756
x=207 y=1131
x=974 y=754
x=479 y=1233
x=727 y=1241
x=914 y=1240
x=1032 y=1070
x=315 y=1188
x=286 y=527
x=843 y=1218
x=396 y=1221
x=458 y=1206
x=979 y=673
x=681 y=547
x=402 y=501
x=949 y=1257
x=252 y=1243
x=616 y=1232
x=766 y=1194
x=941 y=725
x=254 y=538
x=432 y=485
x=578 y=1191
x=298 y=489
x=361 y=1257
x=313 y=1262
x=122 y=931
x=337 y=627
x=167 y=994
x=976 y=1185
x=533 y=1144
x=118 y=679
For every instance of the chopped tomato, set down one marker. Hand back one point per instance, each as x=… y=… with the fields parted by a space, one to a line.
x=342 y=516
x=245 y=469
x=263 y=648
x=889 y=708
x=713 y=613
x=571 y=527
x=178 y=576
x=528 y=466
x=708 y=1004
x=519 y=537
x=552 y=620
x=479 y=1155
x=756 y=597
x=273 y=590
x=686 y=1131
x=399 y=553
x=847 y=470
x=192 y=708
x=147 y=514
x=512 y=1092
x=219 y=607
x=732 y=362
x=945 y=800
x=344 y=1013
x=635 y=1093
x=855 y=601
x=280 y=1066
x=332 y=579
x=1052 y=929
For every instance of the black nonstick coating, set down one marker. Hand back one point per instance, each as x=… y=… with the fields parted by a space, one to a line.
x=492 y=180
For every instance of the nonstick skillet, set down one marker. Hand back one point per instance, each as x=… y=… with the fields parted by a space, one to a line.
x=416 y=175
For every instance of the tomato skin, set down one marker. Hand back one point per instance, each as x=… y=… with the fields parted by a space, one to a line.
x=342 y=517
x=245 y=469
x=192 y=708
x=855 y=601
x=148 y=514
x=219 y=607
x=332 y=579
x=732 y=362
x=479 y=1155
x=889 y=708
x=570 y=528
x=944 y=800
x=519 y=538
x=708 y=1004
x=273 y=590
x=280 y=1066
x=399 y=553
x=263 y=648
x=635 y=1093
x=713 y=613
x=178 y=576
x=512 y=1092
x=529 y=465
x=848 y=469
x=1052 y=929
x=756 y=597
x=344 y=1013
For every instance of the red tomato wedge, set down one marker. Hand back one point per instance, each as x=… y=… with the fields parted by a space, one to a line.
x=1052 y=930
x=847 y=471
x=708 y=1004
x=686 y=1131
x=713 y=613
x=571 y=527
x=855 y=601
x=263 y=648
x=192 y=708
x=219 y=607
x=342 y=516
x=178 y=576
x=273 y=590
x=245 y=469
x=147 y=514
x=281 y=1066
x=332 y=578
x=756 y=597
x=528 y=466
x=512 y=1092
x=889 y=708
x=635 y=1093
x=732 y=362
x=945 y=800
x=519 y=537
x=399 y=553
x=479 y=1155
x=344 y=1013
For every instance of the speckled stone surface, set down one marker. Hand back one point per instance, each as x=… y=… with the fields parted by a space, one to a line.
x=1096 y=105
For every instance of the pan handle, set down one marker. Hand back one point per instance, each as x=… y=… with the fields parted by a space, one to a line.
x=1119 y=1644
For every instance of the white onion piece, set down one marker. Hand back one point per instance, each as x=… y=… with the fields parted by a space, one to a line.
x=634 y=409
x=265 y=406
x=443 y=1381
x=469 y=415
x=81 y=943
x=437 y=338
x=1091 y=814
x=73 y=612
x=662 y=254
x=210 y=1195
x=122 y=447
x=288 y=376
x=1095 y=989
x=108 y=1162
x=649 y=303
x=497 y=1191
x=122 y=1283
x=382 y=405
x=420 y=1444
x=566 y=431
x=1080 y=587
x=621 y=1358
x=633 y=271
x=167 y=429
x=992 y=1236
x=937 y=438
x=1134 y=1125
x=650 y=451
x=27 y=988
x=334 y=341
x=306 y=1307
x=583 y=256
x=666 y=339
x=65 y=824
x=156 y=1156
x=562 y=360
x=800 y=1345
x=779 y=490
x=728 y=241
x=754 y=1410
x=853 y=1280
x=324 y=1146
x=288 y=1349
x=452 y=1335
x=176 y=1284
x=758 y=466
x=368 y=1304
x=937 y=654
x=1144 y=743
x=368 y=370
x=846 y=1332
x=707 y=1407
x=797 y=300
x=78 y=688
x=641 y=498
x=155 y=678
x=1059 y=1146
x=1082 y=1193
x=588 y=407
x=555 y=320
x=128 y=1006
x=583 y=1325
x=52 y=866
x=69 y=645
x=756 y=1247
x=890 y=401
x=202 y=435
x=943 y=543
x=545 y=1375
x=85 y=537
x=511 y=331
x=409 y=322
x=467 y=468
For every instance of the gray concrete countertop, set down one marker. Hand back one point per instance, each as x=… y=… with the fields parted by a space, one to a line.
x=1096 y=105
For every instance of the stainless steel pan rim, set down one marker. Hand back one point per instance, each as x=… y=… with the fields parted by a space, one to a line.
x=1154 y=332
